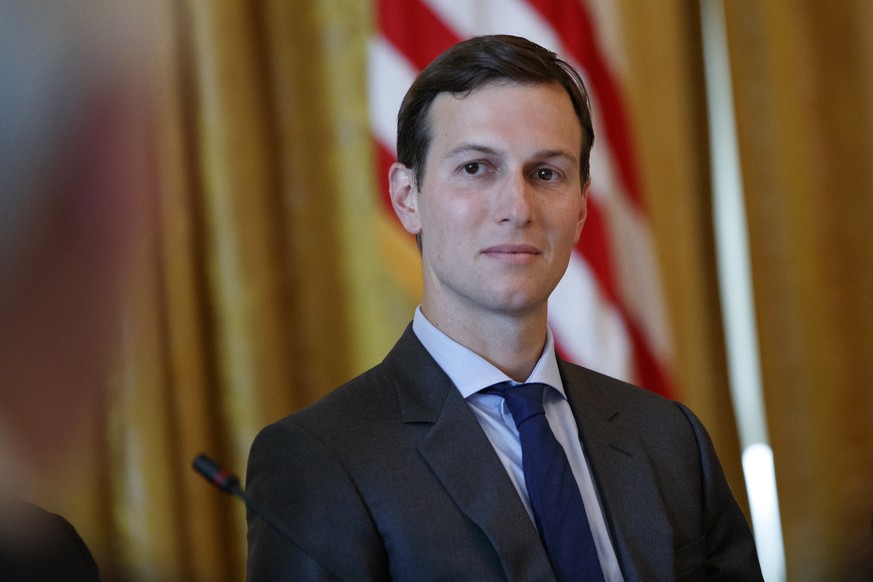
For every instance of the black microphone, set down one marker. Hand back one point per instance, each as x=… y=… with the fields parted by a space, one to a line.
x=229 y=483
x=212 y=472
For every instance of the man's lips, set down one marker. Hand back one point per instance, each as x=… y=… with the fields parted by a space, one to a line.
x=512 y=252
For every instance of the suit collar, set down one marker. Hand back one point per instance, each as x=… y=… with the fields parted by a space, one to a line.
x=420 y=384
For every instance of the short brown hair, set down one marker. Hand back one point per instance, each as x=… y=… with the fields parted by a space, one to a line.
x=476 y=62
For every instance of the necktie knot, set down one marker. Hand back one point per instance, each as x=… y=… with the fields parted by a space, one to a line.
x=524 y=400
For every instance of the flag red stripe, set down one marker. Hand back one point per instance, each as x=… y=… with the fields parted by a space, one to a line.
x=650 y=372
x=573 y=24
x=383 y=163
x=594 y=245
x=595 y=248
x=414 y=29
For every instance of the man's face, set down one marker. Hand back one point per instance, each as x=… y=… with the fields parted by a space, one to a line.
x=501 y=203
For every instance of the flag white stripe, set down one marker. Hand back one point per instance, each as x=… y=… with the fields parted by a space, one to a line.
x=390 y=75
x=587 y=326
x=636 y=271
x=495 y=17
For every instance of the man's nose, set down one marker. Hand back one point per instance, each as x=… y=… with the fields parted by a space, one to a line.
x=515 y=199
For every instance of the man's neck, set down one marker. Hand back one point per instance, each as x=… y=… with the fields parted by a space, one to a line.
x=513 y=344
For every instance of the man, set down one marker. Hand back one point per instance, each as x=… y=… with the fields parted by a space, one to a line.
x=425 y=467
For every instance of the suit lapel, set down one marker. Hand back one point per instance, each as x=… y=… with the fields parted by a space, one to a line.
x=623 y=477
x=462 y=459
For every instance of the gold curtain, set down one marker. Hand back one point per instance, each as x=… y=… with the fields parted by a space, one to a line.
x=264 y=294
x=803 y=89
x=266 y=285
x=664 y=87
x=261 y=288
x=804 y=92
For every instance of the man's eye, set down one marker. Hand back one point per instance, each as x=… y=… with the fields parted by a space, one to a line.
x=546 y=174
x=471 y=168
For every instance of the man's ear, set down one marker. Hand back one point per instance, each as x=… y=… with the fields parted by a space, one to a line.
x=404 y=197
x=583 y=210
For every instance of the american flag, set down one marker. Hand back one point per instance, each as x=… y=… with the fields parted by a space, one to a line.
x=607 y=313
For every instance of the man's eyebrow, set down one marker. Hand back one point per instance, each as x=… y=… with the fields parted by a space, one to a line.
x=466 y=148
x=549 y=154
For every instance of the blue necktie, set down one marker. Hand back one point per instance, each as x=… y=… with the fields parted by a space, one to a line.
x=554 y=494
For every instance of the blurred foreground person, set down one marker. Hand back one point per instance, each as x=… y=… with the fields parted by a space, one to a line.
x=72 y=203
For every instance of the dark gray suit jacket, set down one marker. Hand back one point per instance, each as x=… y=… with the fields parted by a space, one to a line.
x=391 y=477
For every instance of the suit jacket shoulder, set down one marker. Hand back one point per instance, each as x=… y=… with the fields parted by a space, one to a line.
x=391 y=476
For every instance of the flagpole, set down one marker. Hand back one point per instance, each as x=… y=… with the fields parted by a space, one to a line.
x=737 y=299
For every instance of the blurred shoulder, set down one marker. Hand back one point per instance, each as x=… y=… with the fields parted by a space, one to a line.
x=36 y=544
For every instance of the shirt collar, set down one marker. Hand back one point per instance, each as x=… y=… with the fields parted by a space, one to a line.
x=469 y=371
